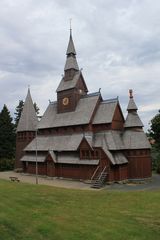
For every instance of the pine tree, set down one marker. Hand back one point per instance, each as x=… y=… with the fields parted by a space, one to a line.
x=36 y=108
x=7 y=134
x=18 y=112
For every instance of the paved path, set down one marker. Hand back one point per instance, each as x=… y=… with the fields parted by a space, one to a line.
x=150 y=185
x=153 y=184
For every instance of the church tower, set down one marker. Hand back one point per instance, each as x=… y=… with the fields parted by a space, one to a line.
x=72 y=85
x=136 y=143
x=133 y=122
x=26 y=128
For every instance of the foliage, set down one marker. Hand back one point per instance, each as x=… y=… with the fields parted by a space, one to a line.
x=154 y=134
x=154 y=131
x=155 y=158
x=18 y=112
x=36 y=108
x=6 y=164
x=44 y=212
x=7 y=134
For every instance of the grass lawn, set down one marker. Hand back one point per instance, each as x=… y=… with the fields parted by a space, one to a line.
x=41 y=212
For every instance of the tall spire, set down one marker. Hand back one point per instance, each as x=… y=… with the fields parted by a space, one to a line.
x=28 y=120
x=132 y=120
x=71 y=62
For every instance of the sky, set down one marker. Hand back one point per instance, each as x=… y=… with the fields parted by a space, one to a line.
x=117 y=44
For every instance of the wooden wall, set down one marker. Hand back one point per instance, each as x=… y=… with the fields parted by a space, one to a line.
x=22 y=140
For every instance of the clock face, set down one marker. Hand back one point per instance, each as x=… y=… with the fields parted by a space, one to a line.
x=65 y=101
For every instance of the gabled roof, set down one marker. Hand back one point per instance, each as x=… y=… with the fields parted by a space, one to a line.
x=82 y=114
x=105 y=111
x=28 y=120
x=101 y=140
x=133 y=120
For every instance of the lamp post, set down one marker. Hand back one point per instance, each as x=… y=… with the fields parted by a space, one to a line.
x=36 y=159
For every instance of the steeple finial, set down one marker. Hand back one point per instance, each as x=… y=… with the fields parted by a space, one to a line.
x=71 y=62
x=130 y=93
x=70 y=24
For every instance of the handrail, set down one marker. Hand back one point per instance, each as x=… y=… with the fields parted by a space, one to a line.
x=102 y=172
x=95 y=172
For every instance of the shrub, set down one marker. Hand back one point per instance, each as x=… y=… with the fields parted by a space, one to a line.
x=6 y=164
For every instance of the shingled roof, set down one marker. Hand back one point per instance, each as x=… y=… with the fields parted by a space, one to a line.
x=135 y=140
x=28 y=120
x=131 y=105
x=33 y=158
x=71 y=62
x=105 y=111
x=55 y=143
x=81 y=115
x=113 y=140
x=71 y=48
x=65 y=85
x=133 y=120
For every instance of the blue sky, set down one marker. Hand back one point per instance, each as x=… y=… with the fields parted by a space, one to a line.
x=117 y=44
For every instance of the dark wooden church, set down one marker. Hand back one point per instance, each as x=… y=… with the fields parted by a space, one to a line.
x=81 y=135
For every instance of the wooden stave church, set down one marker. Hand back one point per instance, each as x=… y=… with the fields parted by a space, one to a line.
x=80 y=135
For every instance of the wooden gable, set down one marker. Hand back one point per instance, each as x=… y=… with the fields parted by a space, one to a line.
x=118 y=119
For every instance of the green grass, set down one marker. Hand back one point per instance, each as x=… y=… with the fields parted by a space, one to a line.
x=41 y=212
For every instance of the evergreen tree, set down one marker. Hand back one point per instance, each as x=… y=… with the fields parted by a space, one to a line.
x=36 y=108
x=7 y=134
x=18 y=112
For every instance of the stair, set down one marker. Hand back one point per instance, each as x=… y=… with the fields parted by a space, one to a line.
x=99 y=180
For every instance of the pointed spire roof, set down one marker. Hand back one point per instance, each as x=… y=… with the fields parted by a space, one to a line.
x=71 y=48
x=131 y=104
x=71 y=61
x=132 y=119
x=28 y=120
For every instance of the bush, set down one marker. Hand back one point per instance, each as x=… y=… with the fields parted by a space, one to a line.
x=155 y=158
x=6 y=164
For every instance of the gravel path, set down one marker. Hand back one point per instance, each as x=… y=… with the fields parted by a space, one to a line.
x=153 y=184
x=45 y=181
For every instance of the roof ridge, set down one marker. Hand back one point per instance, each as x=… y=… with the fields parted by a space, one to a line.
x=92 y=94
x=110 y=100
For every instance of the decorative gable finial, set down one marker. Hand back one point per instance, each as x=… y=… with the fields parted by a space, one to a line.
x=130 y=93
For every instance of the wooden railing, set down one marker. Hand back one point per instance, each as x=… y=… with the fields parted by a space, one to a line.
x=95 y=172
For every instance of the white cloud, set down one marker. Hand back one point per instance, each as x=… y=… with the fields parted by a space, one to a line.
x=117 y=43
